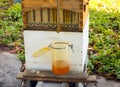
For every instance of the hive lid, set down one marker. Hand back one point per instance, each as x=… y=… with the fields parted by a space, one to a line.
x=73 y=5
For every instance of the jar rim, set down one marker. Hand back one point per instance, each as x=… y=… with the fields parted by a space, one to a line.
x=59 y=45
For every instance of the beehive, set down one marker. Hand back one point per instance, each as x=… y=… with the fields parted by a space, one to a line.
x=42 y=18
x=48 y=15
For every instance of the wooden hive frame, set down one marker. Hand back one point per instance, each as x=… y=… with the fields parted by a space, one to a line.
x=77 y=6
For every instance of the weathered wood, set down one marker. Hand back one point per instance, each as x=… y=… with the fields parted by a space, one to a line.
x=79 y=7
x=48 y=76
x=74 y=5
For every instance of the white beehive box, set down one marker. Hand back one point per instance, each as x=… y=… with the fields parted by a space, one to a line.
x=35 y=40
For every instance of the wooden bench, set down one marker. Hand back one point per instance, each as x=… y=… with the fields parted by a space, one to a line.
x=48 y=76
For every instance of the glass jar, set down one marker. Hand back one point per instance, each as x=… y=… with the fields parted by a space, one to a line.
x=60 y=57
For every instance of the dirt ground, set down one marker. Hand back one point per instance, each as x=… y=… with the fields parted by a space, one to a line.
x=10 y=65
x=103 y=82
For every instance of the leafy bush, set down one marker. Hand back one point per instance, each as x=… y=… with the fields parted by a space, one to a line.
x=105 y=38
x=11 y=25
x=3 y=3
x=11 y=28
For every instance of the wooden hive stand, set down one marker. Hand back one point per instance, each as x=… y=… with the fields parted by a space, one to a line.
x=47 y=78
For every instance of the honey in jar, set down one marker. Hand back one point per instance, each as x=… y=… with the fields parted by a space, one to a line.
x=60 y=67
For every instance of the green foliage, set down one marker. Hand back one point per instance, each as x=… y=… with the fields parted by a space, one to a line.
x=14 y=12
x=105 y=37
x=3 y=3
x=21 y=55
x=11 y=25
x=11 y=29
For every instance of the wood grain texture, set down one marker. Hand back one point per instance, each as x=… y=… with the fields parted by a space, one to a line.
x=49 y=76
x=80 y=7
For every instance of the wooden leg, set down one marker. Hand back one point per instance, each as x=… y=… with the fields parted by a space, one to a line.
x=84 y=84
x=72 y=84
x=27 y=83
x=31 y=83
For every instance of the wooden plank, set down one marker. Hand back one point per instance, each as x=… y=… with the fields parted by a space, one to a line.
x=24 y=17
x=38 y=3
x=85 y=12
x=49 y=74
x=78 y=7
x=31 y=18
x=45 y=16
x=37 y=18
x=90 y=78
x=73 y=5
x=64 y=4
